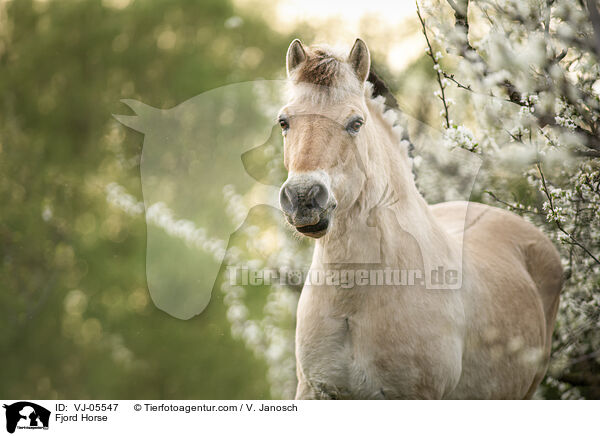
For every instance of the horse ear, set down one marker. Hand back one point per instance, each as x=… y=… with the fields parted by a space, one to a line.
x=145 y=115
x=360 y=59
x=295 y=56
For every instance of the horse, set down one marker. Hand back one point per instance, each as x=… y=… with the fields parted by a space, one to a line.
x=486 y=335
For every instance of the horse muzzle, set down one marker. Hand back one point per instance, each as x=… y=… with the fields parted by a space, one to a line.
x=307 y=203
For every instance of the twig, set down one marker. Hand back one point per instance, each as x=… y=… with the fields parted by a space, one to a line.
x=456 y=82
x=557 y=222
x=585 y=357
x=511 y=206
x=437 y=70
x=587 y=153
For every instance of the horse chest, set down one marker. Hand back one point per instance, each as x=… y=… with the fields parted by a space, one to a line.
x=333 y=363
x=361 y=354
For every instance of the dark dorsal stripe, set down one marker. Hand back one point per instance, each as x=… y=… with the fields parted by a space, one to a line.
x=380 y=88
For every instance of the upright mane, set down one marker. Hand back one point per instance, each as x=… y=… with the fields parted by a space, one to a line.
x=325 y=67
x=381 y=89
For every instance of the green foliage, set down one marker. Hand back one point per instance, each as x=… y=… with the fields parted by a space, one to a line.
x=75 y=315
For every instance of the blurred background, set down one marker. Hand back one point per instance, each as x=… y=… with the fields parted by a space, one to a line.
x=76 y=317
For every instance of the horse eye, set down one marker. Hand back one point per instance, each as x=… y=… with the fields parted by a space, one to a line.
x=284 y=123
x=355 y=125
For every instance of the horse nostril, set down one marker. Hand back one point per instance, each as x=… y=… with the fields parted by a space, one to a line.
x=298 y=198
x=318 y=196
x=287 y=199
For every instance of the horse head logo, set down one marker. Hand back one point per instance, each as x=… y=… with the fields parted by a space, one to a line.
x=195 y=158
x=25 y=414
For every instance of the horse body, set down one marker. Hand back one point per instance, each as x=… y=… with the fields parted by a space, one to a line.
x=488 y=337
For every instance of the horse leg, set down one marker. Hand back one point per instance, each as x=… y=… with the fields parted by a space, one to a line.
x=304 y=391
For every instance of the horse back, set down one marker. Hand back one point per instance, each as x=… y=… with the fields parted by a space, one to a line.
x=494 y=232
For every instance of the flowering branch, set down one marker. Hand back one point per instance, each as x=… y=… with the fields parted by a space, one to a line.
x=555 y=217
x=515 y=207
x=543 y=117
x=436 y=67
x=542 y=57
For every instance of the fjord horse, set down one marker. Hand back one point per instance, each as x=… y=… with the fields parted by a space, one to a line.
x=487 y=334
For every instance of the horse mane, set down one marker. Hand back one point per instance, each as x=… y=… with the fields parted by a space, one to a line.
x=381 y=89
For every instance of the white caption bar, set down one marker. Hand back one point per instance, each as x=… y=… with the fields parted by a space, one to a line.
x=23 y=417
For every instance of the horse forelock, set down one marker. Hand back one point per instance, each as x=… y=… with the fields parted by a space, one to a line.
x=325 y=74
x=326 y=68
x=321 y=68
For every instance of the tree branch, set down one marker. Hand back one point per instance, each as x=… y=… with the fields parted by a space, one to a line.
x=460 y=8
x=558 y=224
x=595 y=19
